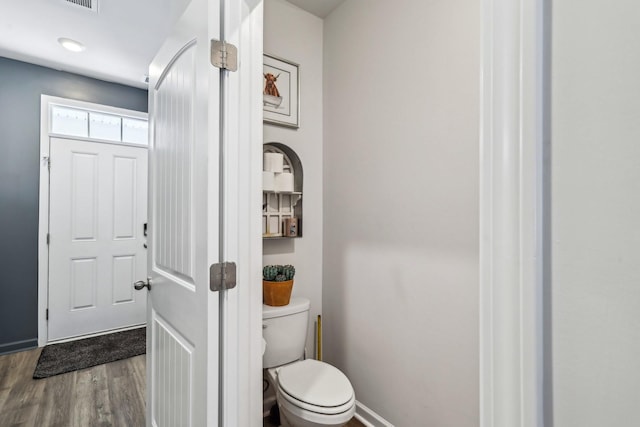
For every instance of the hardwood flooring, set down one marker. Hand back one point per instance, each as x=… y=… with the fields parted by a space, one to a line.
x=110 y=395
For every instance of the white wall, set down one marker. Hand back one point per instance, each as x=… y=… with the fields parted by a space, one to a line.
x=293 y=34
x=596 y=213
x=400 y=295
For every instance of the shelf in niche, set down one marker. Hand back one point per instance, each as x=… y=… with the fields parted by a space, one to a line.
x=293 y=193
x=279 y=237
x=280 y=205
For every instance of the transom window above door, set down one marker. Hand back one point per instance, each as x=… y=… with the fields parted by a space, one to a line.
x=78 y=122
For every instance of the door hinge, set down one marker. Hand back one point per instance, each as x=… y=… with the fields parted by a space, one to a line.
x=47 y=159
x=222 y=276
x=48 y=238
x=224 y=55
x=47 y=314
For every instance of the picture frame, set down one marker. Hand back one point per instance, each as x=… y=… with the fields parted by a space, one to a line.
x=281 y=92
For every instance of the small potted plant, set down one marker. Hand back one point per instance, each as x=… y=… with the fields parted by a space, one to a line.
x=277 y=283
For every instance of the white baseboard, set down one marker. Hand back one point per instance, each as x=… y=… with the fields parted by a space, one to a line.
x=369 y=418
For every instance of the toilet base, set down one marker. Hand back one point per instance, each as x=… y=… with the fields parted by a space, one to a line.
x=292 y=416
x=287 y=419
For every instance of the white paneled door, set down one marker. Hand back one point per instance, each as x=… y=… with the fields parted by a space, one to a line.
x=183 y=314
x=98 y=196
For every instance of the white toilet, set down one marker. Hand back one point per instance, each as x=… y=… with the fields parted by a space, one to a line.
x=309 y=393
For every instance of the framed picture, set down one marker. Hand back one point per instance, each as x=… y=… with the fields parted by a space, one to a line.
x=281 y=92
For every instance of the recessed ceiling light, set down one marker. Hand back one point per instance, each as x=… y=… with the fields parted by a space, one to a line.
x=71 y=45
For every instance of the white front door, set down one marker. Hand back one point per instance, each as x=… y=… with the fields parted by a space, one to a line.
x=97 y=214
x=182 y=313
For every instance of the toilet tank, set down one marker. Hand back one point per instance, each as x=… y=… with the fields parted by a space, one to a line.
x=285 y=331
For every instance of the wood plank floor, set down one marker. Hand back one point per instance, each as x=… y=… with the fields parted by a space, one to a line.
x=110 y=395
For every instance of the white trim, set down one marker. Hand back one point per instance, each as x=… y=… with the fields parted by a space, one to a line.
x=43 y=207
x=43 y=224
x=241 y=318
x=101 y=141
x=511 y=226
x=369 y=418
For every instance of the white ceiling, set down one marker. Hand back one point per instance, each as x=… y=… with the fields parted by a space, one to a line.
x=121 y=39
x=320 y=8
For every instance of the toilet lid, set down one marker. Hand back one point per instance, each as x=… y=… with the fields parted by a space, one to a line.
x=316 y=383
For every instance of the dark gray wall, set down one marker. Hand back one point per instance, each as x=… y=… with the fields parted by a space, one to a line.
x=21 y=85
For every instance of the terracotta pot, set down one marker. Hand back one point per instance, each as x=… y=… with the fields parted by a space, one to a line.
x=276 y=293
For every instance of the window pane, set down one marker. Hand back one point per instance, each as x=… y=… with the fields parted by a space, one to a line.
x=135 y=130
x=104 y=126
x=68 y=121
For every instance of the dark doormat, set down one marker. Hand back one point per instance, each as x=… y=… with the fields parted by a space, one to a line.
x=71 y=356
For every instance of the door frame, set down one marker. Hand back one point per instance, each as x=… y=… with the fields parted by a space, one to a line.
x=513 y=207
x=46 y=101
x=240 y=375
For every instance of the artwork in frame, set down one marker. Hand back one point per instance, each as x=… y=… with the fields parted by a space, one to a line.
x=281 y=92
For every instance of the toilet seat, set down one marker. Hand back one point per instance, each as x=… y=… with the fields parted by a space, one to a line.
x=322 y=410
x=316 y=386
x=297 y=416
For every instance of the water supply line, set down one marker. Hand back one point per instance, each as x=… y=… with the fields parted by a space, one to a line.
x=319 y=337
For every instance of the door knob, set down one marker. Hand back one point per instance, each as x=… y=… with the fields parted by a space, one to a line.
x=141 y=284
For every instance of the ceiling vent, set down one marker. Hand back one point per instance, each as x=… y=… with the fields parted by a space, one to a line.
x=91 y=5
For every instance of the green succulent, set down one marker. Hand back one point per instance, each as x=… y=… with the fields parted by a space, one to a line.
x=269 y=272
x=278 y=273
x=289 y=271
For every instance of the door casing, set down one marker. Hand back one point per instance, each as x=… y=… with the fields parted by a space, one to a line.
x=43 y=222
x=513 y=127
